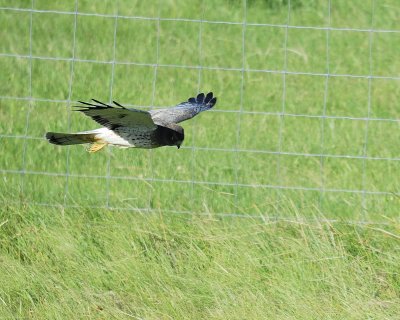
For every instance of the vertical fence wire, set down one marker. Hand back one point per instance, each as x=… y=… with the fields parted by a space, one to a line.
x=283 y=106
x=30 y=103
x=323 y=119
x=194 y=123
x=239 y=115
x=365 y=146
x=70 y=84
x=109 y=154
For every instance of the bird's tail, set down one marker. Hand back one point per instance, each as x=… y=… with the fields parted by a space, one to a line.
x=64 y=139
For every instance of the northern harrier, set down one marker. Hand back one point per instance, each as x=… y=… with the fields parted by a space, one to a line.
x=126 y=127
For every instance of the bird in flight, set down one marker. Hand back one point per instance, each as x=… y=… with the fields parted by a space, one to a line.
x=127 y=127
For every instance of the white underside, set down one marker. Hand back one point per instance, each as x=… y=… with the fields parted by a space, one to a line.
x=107 y=136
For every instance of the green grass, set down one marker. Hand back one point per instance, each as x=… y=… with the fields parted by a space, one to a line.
x=145 y=259
x=102 y=264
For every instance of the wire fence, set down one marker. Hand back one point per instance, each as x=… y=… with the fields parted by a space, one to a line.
x=385 y=159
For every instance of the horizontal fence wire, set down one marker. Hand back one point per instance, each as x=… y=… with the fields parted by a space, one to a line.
x=220 y=111
x=300 y=154
x=265 y=219
x=143 y=64
x=216 y=183
x=248 y=23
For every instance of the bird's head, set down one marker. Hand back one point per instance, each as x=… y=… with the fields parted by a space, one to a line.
x=177 y=138
x=173 y=135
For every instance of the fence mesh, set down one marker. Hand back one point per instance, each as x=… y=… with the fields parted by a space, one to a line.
x=307 y=121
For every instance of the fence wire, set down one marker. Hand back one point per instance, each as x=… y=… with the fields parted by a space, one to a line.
x=239 y=110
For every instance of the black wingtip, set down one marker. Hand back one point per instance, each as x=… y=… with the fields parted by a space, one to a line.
x=213 y=101
x=118 y=104
x=102 y=103
x=98 y=105
x=200 y=98
x=86 y=103
x=209 y=96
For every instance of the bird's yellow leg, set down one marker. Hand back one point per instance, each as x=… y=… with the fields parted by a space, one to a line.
x=95 y=146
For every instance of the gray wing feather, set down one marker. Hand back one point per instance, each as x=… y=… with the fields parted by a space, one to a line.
x=115 y=117
x=185 y=110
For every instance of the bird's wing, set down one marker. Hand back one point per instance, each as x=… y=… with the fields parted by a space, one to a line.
x=185 y=110
x=113 y=117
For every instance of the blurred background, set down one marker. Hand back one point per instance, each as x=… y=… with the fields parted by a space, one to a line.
x=307 y=112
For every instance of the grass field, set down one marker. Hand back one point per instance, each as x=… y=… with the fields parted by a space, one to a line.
x=259 y=216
